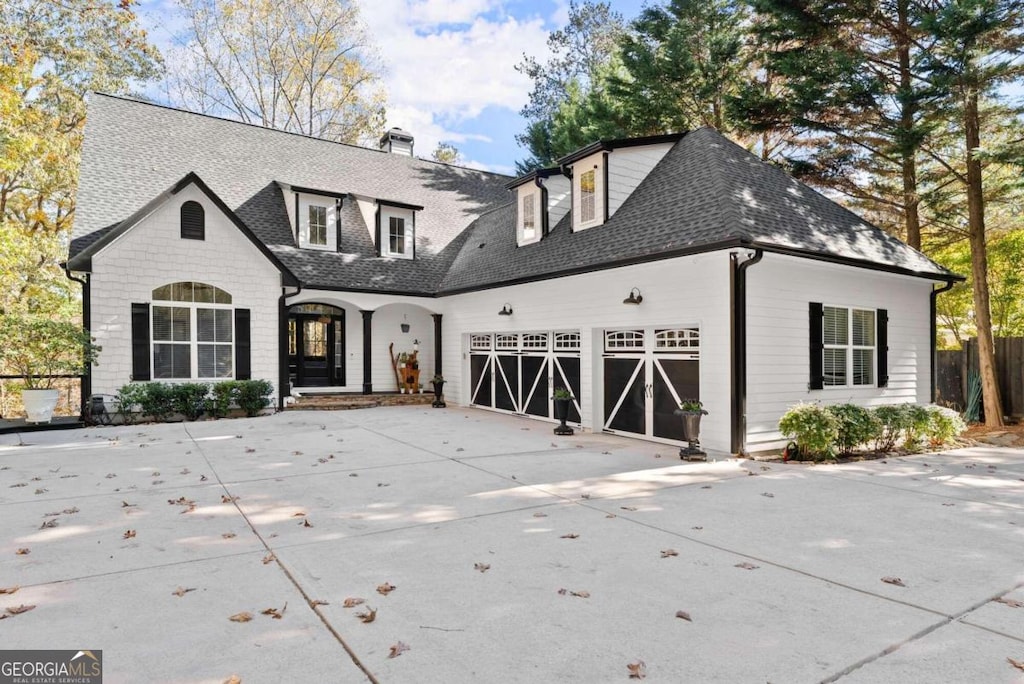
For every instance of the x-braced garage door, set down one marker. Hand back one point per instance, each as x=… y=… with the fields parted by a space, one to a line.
x=517 y=372
x=647 y=373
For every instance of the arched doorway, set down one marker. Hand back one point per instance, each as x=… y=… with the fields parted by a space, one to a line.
x=316 y=345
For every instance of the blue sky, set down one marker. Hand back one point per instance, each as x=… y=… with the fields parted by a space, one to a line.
x=450 y=66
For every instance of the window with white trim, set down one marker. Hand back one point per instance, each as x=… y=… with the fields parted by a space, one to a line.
x=529 y=217
x=397 y=232
x=535 y=341
x=588 y=196
x=192 y=332
x=848 y=347
x=506 y=342
x=317 y=225
x=624 y=340
x=480 y=342
x=567 y=341
x=680 y=338
x=396 y=235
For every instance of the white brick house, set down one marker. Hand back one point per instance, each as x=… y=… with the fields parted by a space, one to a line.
x=636 y=273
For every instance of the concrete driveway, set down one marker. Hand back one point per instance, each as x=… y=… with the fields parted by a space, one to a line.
x=515 y=556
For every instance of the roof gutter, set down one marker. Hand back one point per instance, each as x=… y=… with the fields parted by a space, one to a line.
x=738 y=347
x=85 y=391
x=933 y=357
x=544 y=221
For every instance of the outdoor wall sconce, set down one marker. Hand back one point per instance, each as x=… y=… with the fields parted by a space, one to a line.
x=506 y=310
x=405 y=324
x=415 y=345
x=634 y=297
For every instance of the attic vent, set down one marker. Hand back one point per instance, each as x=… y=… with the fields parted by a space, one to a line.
x=397 y=141
x=193 y=221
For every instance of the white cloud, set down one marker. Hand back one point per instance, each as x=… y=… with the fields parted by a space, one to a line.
x=449 y=60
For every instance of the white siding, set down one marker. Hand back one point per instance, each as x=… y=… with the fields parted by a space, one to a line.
x=627 y=166
x=689 y=290
x=152 y=254
x=559 y=188
x=368 y=210
x=779 y=290
x=594 y=162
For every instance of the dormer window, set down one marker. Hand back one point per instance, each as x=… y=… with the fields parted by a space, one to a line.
x=317 y=225
x=529 y=217
x=193 y=221
x=396 y=229
x=588 y=196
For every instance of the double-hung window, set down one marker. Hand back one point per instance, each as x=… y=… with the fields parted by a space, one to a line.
x=529 y=217
x=848 y=347
x=317 y=225
x=193 y=332
x=588 y=196
x=396 y=236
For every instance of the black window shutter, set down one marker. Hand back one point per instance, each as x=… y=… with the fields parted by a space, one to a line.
x=140 y=342
x=882 y=339
x=817 y=380
x=193 y=221
x=380 y=250
x=243 y=356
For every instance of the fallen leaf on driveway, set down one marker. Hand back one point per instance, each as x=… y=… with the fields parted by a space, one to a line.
x=202 y=478
x=110 y=476
x=233 y=679
x=305 y=522
x=186 y=471
x=317 y=602
x=228 y=499
x=70 y=511
x=894 y=580
x=250 y=450
x=385 y=589
x=697 y=527
x=746 y=566
x=580 y=594
x=41 y=491
x=637 y=670
x=229 y=535
x=49 y=523
x=949 y=504
x=668 y=553
x=1013 y=603
x=628 y=508
x=584 y=496
x=241 y=617
x=367 y=616
x=129 y=534
x=181 y=591
x=768 y=494
x=22 y=552
x=20 y=484
x=300 y=514
x=540 y=515
x=1019 y=664
x=571 y=535
x=352 y=602
x=682 y=614
x=18 y=610
x=9 y=590
x=125 y=504
x=706 y=487
x=610 y=515
x=269 y=558
x=482 y=567
x=398 y=649
x=274 y=612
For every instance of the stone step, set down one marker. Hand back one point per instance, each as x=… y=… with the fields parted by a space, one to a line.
x=341 y=402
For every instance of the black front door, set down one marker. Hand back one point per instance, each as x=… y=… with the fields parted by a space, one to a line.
x=316 y=349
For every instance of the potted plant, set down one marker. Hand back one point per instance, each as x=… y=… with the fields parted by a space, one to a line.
x=39 y=349
x=691 y=411
x=562 y=397
x=438 y=383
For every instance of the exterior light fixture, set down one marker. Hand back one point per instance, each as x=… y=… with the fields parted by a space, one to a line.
x=634 y=297
x=506 y=310
x=405 y=323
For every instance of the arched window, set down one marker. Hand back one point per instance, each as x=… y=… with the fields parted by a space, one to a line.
x=193 y=221
x=193 y=332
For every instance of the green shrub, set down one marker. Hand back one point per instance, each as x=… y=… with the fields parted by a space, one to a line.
x=253 y=396
x=222 y=396
x=918 y=420
x=129 y=399
x=189 y=399
x=857 y=425
x=814 y=429
x=944 y=425
x=892 y=421
x=157 y=401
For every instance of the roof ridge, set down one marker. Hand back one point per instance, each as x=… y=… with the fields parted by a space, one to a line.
x=161 y=105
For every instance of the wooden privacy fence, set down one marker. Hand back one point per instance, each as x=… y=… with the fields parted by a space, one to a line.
x=953 y=368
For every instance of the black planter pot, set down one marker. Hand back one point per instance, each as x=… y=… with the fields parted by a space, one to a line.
x=438 y=394
x=691 y=433
x=562 y=414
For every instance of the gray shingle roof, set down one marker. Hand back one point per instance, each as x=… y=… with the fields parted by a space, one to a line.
x=133 y=151
x=705 y=193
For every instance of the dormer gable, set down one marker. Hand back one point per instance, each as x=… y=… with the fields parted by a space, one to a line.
x=605 y=173
x=392 y=225
x=542 y=199
x=315 y=217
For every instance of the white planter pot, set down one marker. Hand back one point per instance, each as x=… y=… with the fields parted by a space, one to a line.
x=39 y=404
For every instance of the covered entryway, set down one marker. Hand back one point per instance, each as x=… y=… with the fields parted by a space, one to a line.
x=316 y=345
x=647 y=373
x=517 y=372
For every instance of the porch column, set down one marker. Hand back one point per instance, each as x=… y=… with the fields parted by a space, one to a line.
x=437 y=343
x=367 y=351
